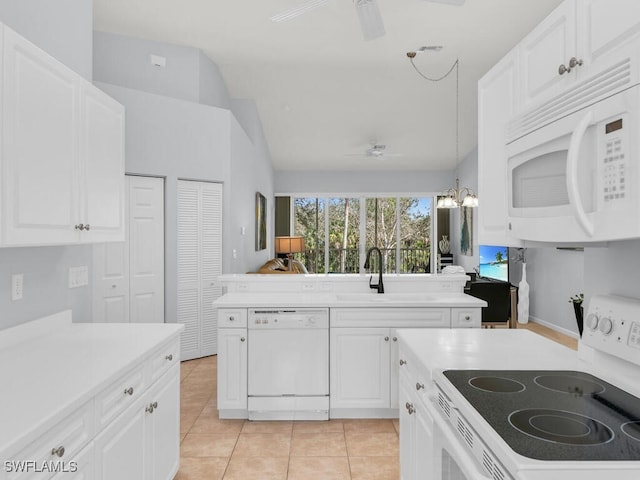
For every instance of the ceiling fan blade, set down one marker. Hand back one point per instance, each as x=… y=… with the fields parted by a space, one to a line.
x=298 y=10
x=370 y=19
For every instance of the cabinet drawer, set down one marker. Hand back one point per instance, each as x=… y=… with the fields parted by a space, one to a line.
x=83 y=466
x=60 y=443
x=466 y=317
x=163 y=359
x=230 y=318
x=118 y=396
x=391 y=317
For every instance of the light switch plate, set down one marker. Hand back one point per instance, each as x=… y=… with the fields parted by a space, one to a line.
x=78 y=276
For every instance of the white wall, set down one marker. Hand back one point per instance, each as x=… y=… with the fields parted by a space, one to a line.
x=614 y=269
x=63 y=29
x=289 y=182
x=188 y=74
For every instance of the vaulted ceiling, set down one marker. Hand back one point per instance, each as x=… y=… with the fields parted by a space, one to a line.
x=323 y=93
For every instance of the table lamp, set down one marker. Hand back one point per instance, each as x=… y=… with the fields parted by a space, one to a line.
x=289 y=245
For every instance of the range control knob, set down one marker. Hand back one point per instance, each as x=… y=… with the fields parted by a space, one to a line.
x=592 y=321
x=606 y=325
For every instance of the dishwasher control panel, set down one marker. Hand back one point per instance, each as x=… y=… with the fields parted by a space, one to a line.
x=289 y=318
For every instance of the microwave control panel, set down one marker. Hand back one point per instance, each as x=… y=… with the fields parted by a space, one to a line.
x=614 y=156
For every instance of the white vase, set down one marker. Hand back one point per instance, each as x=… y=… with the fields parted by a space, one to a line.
x=444 y=244
x=523 y=297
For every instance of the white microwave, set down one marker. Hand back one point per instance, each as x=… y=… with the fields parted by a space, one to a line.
x=576 y=178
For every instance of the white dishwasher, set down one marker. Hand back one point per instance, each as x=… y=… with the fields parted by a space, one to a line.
x=288 y=364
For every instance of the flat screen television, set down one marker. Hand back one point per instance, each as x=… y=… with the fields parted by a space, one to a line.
x=494 y=262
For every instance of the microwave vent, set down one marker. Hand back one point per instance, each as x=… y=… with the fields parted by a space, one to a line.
x=591 y=90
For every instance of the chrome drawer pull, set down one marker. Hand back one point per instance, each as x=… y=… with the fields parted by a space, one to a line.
x=403 y=362
x=410 y=409
x=169 y=357
x=242 y=339
x=58 y=451
x=419 y=386
x=129 y=391
x=151 y=407
x=386 y=339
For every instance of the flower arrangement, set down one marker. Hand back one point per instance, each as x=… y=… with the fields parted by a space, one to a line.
x=578 y=298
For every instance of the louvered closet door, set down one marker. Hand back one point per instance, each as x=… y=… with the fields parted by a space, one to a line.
x=199 y=263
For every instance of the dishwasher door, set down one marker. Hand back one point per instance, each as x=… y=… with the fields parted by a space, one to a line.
x=288 y=362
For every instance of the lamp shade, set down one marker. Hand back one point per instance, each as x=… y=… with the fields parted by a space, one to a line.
x=289 y=244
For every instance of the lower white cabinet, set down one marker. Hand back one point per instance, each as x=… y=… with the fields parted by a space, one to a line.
x=143 y=443
x=232 y=371
x=360 y=368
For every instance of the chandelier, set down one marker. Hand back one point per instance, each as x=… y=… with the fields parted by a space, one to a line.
x=453 y=197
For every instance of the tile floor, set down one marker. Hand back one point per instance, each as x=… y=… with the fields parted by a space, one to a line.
x=214 y=449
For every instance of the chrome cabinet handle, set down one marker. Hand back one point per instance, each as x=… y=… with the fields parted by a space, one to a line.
x=467 y=317
x=395 y=339
x=409 y=407
x=59 y=452
x=80 y=226
x=242 y=339
x=562 y=69
x=169 y=357
x=87 y=227
x=232 y=318
x=151 y=407
x=403 y=362
x=574 y=62
x=386 y=339
x=419 y=386
x=129 y=391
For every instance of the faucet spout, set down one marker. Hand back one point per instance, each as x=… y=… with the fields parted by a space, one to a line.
x=378 y=286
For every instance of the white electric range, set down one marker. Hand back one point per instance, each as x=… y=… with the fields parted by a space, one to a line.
x=501 y=404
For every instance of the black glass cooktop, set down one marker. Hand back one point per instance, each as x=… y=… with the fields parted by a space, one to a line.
x=554 y=415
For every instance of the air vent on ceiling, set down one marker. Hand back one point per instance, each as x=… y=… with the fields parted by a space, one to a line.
x=604 y=84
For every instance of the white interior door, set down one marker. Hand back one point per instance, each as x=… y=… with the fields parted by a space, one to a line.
x=146 y=249
x=129 y=276
x=199 y=263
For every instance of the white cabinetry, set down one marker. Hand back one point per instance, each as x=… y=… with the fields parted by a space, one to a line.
x=143 y=443
x=416 y=425
x=360 y=368
x=573 y=43
x=119 y=419
x=232 y=363
x=62 y=160
x=496 y=105
x=364 y=355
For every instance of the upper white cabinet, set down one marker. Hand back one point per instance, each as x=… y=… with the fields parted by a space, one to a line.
x=574 y=43
x=62 y=158
x=542 y=52
x=497 y=103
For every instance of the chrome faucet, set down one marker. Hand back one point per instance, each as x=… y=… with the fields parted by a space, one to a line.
x=379 y=286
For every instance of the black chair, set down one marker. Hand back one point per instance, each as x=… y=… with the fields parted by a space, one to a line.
x=498 y=297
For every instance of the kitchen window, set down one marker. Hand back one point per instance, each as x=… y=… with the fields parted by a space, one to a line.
x=339 y=230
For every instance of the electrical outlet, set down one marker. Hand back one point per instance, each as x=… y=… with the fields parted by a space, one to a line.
x=17 y=286
x=78 y=276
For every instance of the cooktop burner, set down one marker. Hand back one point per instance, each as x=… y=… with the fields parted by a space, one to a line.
x=554 y=415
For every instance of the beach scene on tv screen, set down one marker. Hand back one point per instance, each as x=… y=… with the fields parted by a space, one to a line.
x=494 y=262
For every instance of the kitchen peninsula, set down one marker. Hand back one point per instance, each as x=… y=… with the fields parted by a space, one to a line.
x=334 y=330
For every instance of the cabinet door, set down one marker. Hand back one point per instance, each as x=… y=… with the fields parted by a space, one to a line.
x=40 y=110
x=120 y=448
x=423 y=438
x=164 y=430
x=407 y=433
x=603 y=26
x=102 y=160
x=359 y=368
x=551 y=44
x=496 y=105
x=232 y=368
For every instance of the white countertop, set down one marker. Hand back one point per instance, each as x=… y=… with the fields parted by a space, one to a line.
x=331 y=300
x=490 y=349
x=52 y=374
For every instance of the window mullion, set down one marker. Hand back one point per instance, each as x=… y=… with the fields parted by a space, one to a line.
x=398 y=227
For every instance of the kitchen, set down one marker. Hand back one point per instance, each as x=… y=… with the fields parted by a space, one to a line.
x=596 y=270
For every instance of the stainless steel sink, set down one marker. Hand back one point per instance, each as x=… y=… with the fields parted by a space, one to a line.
x=384 y=297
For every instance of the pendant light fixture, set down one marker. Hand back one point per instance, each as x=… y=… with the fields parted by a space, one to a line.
x=454 y=197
